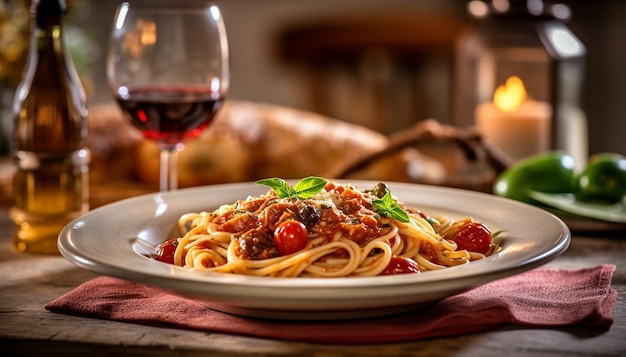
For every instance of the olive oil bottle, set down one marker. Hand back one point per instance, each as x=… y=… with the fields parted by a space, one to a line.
x=49 y=136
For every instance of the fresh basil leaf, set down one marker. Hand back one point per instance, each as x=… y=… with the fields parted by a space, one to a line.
x=280 y=186
x=380 y=207
x=309 y=187
x=387 y=206
x=399 y=214
x=305 y=188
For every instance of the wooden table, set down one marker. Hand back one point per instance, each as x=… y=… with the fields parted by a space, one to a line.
x=29 y=281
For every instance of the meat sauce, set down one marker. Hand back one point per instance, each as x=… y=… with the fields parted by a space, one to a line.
x=254 y=222
x=345 y=212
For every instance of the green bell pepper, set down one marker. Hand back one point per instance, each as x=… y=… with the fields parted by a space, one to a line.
x=603 y=180
x=550 y=172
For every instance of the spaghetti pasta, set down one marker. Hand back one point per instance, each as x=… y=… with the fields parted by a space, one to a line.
x=332 y=231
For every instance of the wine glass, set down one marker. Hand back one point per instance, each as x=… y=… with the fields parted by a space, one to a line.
x=168 y=68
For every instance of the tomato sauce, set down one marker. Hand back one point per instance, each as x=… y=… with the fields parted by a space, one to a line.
x=350 y=214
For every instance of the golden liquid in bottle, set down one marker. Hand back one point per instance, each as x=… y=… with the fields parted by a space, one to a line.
x=49 y=135
x=49 y=193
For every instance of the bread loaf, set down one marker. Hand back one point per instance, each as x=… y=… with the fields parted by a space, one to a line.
x=248 y=141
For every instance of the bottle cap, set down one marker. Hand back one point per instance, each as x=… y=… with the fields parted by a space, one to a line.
x=46 y=8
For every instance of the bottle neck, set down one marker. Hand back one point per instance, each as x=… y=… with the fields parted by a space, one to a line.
x=47 y=60
x=47 y=35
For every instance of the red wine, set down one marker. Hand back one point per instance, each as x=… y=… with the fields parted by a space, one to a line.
x=170 y=115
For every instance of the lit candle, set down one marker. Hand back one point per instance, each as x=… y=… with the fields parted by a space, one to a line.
x=517 y=125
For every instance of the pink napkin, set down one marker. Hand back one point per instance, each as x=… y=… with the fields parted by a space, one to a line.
x=539 y=298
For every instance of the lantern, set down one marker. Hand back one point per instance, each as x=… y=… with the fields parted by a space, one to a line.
x=524 y=40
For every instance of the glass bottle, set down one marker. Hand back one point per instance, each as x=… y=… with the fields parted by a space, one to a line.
x=49 y=136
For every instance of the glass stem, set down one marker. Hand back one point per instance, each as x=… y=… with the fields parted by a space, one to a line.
x=169 y=170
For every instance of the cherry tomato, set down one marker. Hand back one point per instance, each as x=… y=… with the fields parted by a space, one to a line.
x=290 y=236
x=166 y=251
x=400 y=265
x=474 y=237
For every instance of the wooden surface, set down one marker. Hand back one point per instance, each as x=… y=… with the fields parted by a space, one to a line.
x=27 y=282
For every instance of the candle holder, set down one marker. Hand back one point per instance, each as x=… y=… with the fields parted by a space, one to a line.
x=523 y=39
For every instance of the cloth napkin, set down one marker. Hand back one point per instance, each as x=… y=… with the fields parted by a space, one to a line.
x=537 y=298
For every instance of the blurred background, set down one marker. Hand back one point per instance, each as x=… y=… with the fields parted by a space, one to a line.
x=382 y=64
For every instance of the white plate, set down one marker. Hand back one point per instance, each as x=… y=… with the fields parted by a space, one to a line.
x=115 y=239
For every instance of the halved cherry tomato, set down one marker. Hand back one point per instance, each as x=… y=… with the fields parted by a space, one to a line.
x=400 y=265
x=474 y=237
x=166 y=251
x=290 y=236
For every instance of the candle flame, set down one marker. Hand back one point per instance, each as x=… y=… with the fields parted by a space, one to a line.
x=509 y=96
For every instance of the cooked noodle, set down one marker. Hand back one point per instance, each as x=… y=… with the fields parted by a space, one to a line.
x=348 y=238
